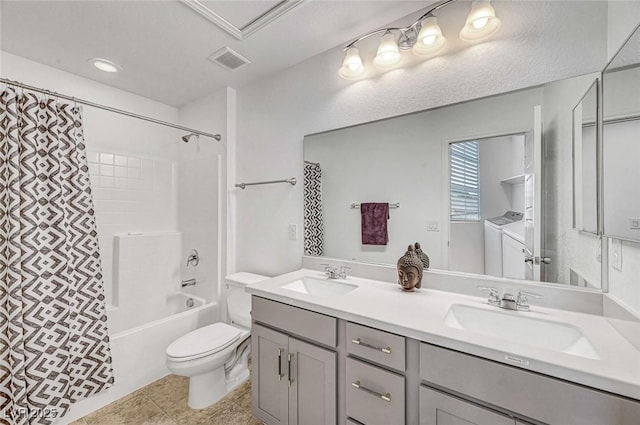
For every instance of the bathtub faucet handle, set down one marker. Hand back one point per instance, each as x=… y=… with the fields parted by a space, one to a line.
x=193 y=259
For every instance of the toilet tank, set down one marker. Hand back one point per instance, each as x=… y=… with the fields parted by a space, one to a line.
x=239 y=301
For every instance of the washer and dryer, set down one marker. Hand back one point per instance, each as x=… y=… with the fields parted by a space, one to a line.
x=493 y=241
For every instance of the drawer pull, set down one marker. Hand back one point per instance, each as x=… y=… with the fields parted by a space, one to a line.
x=280 y=374
x=357 y=341
x=385 y=397
x=289 y=357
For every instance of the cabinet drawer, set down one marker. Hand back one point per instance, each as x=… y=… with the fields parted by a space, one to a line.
x=376 y=345
x=297 y=321
x=530 y=394
x=373 y=395
x=437 y=408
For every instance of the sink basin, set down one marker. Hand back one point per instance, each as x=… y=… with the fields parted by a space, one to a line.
x=319 y=287
x=517 y=327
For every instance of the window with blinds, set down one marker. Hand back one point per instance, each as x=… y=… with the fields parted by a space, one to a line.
x=464 y=181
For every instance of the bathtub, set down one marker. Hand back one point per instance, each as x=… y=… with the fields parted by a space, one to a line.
x=145 y=345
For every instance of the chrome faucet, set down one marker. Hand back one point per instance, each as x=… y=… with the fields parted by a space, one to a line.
x=509 y=301
x=333 y=273
x=522 y=303
x=494 y=295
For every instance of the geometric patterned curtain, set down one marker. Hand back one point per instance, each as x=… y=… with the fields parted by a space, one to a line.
x=54 y=347
x=313 y=224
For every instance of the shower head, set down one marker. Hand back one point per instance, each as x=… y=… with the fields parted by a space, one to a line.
x=187 y=138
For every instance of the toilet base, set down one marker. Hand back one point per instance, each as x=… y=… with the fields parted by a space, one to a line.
x=206 y=389
x=236 y=380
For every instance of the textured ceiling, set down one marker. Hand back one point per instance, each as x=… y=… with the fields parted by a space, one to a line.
x=163 y=46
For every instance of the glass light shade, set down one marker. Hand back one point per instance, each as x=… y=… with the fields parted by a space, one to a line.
x=481 y=22
x=430 y=39
x=352 y=67
x=388 y=54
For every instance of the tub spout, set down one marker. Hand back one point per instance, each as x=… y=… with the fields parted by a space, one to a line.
x=188 y=282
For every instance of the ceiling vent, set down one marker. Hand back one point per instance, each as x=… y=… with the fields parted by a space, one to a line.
x=229 y=59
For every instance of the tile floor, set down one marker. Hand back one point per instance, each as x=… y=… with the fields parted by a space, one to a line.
x=164 y=402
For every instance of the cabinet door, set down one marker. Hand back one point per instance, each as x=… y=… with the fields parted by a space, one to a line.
x=437 y=408
x=312 y=395
x=269 y=390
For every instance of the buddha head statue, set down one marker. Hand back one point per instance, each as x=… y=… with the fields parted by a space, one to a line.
x=422 y=255
x=410 y=270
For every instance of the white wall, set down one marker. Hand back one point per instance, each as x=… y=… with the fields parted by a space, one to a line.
x=201 y=194
x=274 y=114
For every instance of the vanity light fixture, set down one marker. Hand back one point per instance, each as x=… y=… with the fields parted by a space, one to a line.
x=105 y=65
x=424 y=37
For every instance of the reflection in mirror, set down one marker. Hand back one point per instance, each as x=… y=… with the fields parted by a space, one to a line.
x=621 y=113
x=621 y=172
x=406 y=161
x=585 y=183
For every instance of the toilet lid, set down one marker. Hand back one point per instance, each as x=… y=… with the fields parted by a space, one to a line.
x=206 y=340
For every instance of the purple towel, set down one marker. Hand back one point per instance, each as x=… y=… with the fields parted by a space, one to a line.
x=374 y=216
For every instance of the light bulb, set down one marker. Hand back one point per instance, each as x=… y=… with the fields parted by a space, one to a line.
x=388 y=54
x=430 y=39
x=481 y=22
x=352 y=67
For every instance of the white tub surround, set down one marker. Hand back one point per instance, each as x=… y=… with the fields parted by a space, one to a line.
x=422 y=316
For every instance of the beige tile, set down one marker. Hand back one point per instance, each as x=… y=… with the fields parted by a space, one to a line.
x=78 y=422
x=242 y=395
x=168 y=391
x=134 y=410
x=225 y=412
x=197 y=417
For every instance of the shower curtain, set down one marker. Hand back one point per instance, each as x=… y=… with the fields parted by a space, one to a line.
x=54 y=347
x=313 y=224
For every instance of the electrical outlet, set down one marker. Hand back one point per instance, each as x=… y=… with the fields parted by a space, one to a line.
x=634 y=223
x=293 y=232
x=433 y=226
x=616 y=254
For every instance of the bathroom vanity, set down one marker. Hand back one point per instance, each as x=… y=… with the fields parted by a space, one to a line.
x=361 y=351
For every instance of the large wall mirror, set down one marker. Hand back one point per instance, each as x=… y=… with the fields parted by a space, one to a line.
x=621 y=170
x=621 y=129
x=455 y=179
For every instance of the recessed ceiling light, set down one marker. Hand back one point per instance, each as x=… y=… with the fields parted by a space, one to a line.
x=105 y=65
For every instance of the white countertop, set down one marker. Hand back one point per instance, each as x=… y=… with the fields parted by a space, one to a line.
x=421 y=315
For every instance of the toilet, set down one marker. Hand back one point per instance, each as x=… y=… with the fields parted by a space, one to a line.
x=215 y=357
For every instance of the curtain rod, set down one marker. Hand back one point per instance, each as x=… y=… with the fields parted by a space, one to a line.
x=108 y=108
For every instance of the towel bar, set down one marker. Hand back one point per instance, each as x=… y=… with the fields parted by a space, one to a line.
x=394 y=205
x=292 y=181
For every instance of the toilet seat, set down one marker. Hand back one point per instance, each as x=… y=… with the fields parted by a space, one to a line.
x=203 y=342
